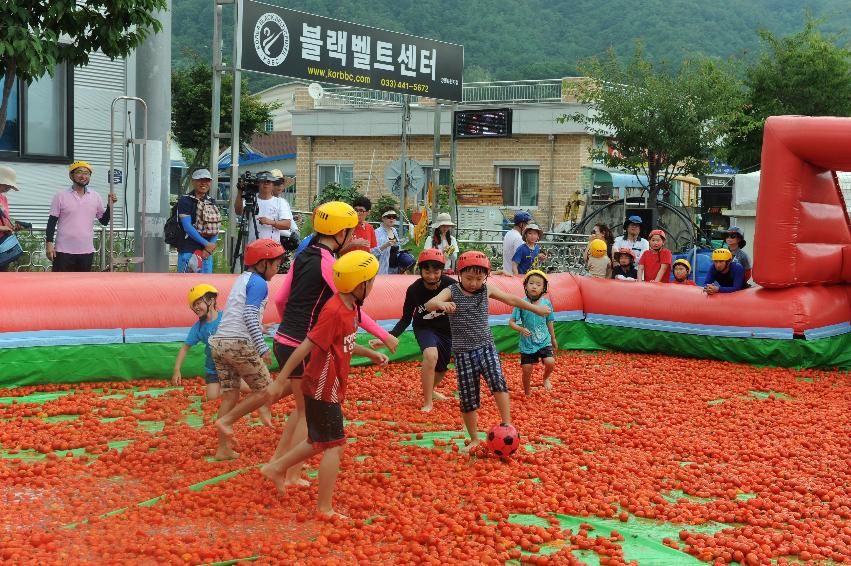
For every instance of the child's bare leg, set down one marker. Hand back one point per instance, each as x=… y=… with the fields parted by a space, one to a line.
x=224 y=451
x=299 y=434
x=265 y=413
x=437 y=395
x=503 y=405
x=243 y=387
x=549 y=366
x=247 y=405
x=274 y=470
x=471 y=423
x=329 y=467
x=214 y=391
x=427 y=376
x=528 y=370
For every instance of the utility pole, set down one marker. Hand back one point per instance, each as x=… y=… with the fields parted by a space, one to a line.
x=153 y=85
x=403 y=200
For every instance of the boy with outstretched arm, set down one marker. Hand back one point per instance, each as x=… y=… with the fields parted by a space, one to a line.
x=466 y=303
x=538 y=336
x=331 y=345
x=238 y=347
x=431 y=329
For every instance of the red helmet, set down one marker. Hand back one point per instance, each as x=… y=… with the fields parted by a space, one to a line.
x=471 y=259
x=660 y=233
x=432 y=254
x=261 y=249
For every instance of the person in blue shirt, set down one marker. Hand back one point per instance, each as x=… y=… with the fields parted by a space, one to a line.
x=529 y=254
x=724 y=275
x=537 y=335
x=200 y=219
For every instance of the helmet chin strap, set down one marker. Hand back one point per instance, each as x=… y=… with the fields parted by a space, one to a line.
x=339 y=245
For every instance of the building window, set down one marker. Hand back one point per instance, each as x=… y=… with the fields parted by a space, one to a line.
x=519 y=186
x=269 y=126
x=39 y=123
x=342 y=174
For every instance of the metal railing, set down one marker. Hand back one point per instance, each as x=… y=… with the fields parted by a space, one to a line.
x=489 y=92
x=563 y=251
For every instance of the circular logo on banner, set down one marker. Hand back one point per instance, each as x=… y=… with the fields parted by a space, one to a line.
x=271 y=39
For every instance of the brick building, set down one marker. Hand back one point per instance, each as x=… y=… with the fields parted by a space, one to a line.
x=351 y=136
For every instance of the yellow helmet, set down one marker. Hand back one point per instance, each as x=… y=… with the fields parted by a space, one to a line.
x=598 y=248
x=722 y=254
x=331 y=217
x=353 y=269
x=199 y=291
x=540 y=274
x=79 y=165
x=683 y=262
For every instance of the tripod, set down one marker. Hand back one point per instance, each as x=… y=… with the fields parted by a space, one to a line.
x=247 y=220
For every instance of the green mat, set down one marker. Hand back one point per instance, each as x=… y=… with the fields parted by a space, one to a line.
x=110 y=362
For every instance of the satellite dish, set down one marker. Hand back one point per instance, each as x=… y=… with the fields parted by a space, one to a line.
x=315 y=91
x=393 y=178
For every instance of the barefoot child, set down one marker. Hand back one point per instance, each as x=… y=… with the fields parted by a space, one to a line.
x=306 y=289
x=202 y=301
x=538 y=340
x=331 y=345
x=238 y=347
x=466 y=303
x=431 y=329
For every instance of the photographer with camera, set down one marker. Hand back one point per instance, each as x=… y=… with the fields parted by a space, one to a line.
x=272 y=214
x=200 y=218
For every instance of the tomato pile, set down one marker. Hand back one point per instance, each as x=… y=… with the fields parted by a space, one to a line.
x=703 y=461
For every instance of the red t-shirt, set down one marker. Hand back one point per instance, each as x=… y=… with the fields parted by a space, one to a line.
x=367 y=232
x=653 y=261
x=333 y=338
x=686 y=282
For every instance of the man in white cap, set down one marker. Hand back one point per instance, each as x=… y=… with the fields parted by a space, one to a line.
x=273 y=213
x=8 y=182
x=200 y=218
x=73 y=212
x=386 y=238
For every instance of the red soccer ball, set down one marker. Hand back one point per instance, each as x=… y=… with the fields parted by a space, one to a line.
x=503 y=440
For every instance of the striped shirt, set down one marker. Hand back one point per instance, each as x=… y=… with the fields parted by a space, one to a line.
x=469 y=322
x=244 y=311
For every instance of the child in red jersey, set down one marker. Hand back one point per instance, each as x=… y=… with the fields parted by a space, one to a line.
x=331 y=345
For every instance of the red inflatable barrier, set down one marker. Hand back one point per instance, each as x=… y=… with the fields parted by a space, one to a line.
x=803 y=235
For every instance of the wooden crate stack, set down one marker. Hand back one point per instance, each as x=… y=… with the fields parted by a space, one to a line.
x=485 y=195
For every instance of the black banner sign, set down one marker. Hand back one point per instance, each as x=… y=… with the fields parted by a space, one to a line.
x=314 y=48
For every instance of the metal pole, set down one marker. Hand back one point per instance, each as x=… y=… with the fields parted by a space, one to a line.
x=215 y=116
x=453 y=162
x=234 y=136
x=435 y=166
x=111 y=188
x=403 y=200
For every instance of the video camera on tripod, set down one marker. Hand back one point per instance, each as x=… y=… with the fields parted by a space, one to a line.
x=249 y=185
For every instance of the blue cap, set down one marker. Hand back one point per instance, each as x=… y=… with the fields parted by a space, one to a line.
x=634 y=219
x=736 y=230
x=201 y=174
x=521 y=217
x=406 y=260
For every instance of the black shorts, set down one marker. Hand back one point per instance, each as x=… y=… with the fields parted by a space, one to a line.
x=324 y=423
x=428 y=338
x=283 y=353
x=545 y=352
x=73 y=262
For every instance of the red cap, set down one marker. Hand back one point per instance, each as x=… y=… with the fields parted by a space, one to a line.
x=473 y=258
x=261 y=249
x=432 y=254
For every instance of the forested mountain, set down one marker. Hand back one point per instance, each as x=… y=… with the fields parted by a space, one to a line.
x=526 y=39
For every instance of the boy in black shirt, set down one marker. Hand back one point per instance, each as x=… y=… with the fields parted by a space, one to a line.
x=430 y=328
x=624 y=268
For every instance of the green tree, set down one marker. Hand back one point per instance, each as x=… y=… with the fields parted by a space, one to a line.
x=660 y=124
x=37 y=36
x=806 y=73
x=191 y=109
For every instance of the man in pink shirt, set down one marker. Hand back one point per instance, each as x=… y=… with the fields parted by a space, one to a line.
x=73 y=211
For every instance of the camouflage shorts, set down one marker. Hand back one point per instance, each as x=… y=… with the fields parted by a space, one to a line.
x=236 y=359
